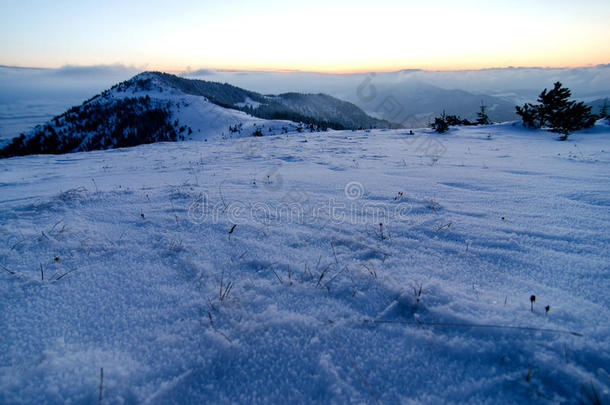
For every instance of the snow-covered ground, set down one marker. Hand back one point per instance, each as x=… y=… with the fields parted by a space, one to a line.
x=337 y=267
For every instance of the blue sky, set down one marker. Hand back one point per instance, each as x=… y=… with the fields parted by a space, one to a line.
x=314 y=35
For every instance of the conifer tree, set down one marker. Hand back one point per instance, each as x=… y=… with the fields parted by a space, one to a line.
x=557 y=112
x=482 y=117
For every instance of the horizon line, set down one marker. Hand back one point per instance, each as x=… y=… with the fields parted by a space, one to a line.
x=280 y=70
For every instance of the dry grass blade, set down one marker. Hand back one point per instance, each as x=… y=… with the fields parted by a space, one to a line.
x=101 y=387
x=322 y=275
x=444 y=226
x=276 y=275
x=18 y=243
x=64 y=275
x=336 y=275
x=334 y=253
x=224 y=290
x=12 y=273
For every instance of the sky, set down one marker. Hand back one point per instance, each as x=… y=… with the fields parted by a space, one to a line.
x=315 y=35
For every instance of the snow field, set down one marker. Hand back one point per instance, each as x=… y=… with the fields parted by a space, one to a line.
x=173 y=267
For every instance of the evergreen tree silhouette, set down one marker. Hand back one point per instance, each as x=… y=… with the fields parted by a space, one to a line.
x=557 y=112
x=482 y=117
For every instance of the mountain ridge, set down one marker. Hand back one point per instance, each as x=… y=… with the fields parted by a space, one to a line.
x=323 y=109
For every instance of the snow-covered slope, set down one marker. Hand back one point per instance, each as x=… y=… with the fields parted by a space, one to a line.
x=334 y=267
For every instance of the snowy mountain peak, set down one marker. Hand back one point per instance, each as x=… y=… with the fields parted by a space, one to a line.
x=155 y=107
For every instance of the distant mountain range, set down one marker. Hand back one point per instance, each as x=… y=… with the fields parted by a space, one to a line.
x=155 y=107
x=414 y=104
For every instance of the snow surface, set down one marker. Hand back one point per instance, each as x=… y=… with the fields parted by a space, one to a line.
x=179 y=270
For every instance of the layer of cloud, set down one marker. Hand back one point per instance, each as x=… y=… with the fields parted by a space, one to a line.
x=523 y=83
x=94 y=71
